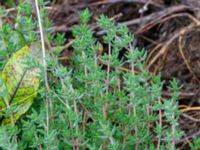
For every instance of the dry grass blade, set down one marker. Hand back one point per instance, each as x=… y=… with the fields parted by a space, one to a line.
x=165 y=48
x=185 y=59
x=44 y=59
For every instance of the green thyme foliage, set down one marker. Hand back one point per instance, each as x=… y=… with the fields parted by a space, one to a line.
x=195 y=144
x=7 y=138
x=12 y=38
x=172 y=115
x=93 y=103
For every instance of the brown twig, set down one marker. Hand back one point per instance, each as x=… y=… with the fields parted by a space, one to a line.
x=164 y=49
x=103 y=2
x=185 y=59
x=153 y=19
x=196 y=134
x=157 y=15
x=190 y=109
x=182 y=94
x=191 y=118
x=153 y=23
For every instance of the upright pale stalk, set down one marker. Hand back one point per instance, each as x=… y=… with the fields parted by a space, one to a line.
x=134 y=107
x=44 y=64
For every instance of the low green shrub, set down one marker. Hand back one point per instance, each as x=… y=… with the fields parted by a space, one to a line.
x=94 y=103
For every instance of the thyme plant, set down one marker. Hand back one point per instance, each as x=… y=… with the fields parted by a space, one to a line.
x=96 y=103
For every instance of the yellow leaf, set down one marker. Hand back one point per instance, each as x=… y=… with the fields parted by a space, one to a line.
x=21 y=84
